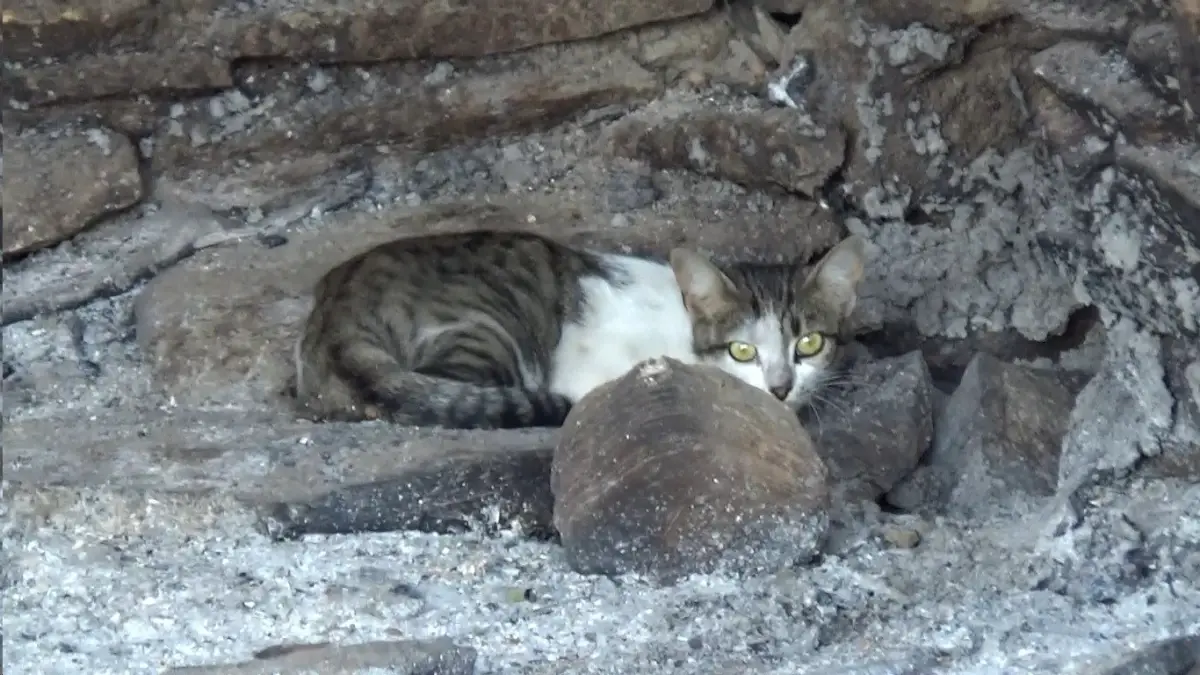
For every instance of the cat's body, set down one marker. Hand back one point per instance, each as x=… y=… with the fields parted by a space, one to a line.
x=506 y=329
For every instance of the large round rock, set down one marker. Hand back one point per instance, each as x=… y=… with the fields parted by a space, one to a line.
x=673 y=469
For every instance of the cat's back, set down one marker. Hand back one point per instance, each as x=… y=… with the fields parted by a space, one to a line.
x=442 y=263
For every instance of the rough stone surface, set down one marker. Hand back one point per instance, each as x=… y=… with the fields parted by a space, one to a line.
x=58 y=182
x=1187 y=17
x=674 y=470
x=1045 y=219
x=261 y=459
x=999 y=437
x=487 y=488
x=364 y=30
x=1132 y=411
x=94 y=76
x=764 y=149
x=403 y=657
x=873 y=425
x=310 y=109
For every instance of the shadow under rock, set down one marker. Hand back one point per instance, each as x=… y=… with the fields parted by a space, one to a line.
x=1172 y=656
x=473 y=492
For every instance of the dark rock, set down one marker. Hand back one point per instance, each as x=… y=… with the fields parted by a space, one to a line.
x=403 y=657
x=998 y=437
x=1172 y=656
x=483 y=490
x=1128 y=247
x=873 y=436
x=1155 y=48
x=301 y=110
x=58 y=182
x=1139 y=411
x=767 y=149
x=959 y=91
x=1180 y=456
x=366 y=30
x=40 y=28
x=128 y=75
x=1073 y=139
x=1108 y=88
x=937 y=14
x=1187 y=18
x=628 y=191
x=672 y=470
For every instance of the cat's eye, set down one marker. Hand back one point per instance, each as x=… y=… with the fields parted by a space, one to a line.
x=742 y=351
x=810 y=345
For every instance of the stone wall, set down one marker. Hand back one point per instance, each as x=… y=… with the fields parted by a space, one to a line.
x=1027 y=173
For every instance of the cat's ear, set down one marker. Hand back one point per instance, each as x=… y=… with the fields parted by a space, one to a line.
x=834 y=279
x=707 y=292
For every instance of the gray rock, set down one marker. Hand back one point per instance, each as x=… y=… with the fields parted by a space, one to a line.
x=400 y=657
x=486 y=490
x=1124 y=414
x=1165 y=657
x=998 y=437
x=58 y=181
x=874 y=435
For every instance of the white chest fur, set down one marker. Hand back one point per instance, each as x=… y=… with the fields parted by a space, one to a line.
x=622 y=326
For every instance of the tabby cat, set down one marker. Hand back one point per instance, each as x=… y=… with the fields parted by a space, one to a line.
x=502 y=329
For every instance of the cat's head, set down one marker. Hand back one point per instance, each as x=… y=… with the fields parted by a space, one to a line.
x=775 y=327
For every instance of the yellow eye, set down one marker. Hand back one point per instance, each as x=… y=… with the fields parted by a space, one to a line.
x=810 y=345
x=742 y=352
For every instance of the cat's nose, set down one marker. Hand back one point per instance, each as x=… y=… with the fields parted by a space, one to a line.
x=781 y=391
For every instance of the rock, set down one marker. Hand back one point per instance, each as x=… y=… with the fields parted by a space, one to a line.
x=40 y=28
x=1187 y=18
x=492 y=487
x=768 y=149
x=221 y=326
x=1132 y=414
x=917 y=100
x=1172 y=168
x=1106 y=83
x=783 y=6
x=1079 y=145
x=57 y=183
x=111 y=259
x=95 y=76
x=1104 y=20
x=119 y=255
x=402 y=657
x=1172 y=655
x=1130 y=242
x=397 y=103
x=327 y=180
x=366 y=30
x=999 y=437
x=1180 y=455
x=265 y=460
x=873 y=436
x=938 y=14
x=134 y=118
x=673 y=470
x=1155 y=49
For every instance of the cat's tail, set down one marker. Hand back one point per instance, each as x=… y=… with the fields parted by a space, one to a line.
x=426 y=400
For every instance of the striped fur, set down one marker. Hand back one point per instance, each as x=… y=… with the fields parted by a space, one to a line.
x=493 y=329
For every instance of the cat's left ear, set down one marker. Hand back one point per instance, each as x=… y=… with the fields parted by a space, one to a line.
x=707 y=291
x=834 y=279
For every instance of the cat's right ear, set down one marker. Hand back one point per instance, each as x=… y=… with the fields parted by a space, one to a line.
x=707 y=292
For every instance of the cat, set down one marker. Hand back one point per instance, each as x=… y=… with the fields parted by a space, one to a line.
x=506 y=329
